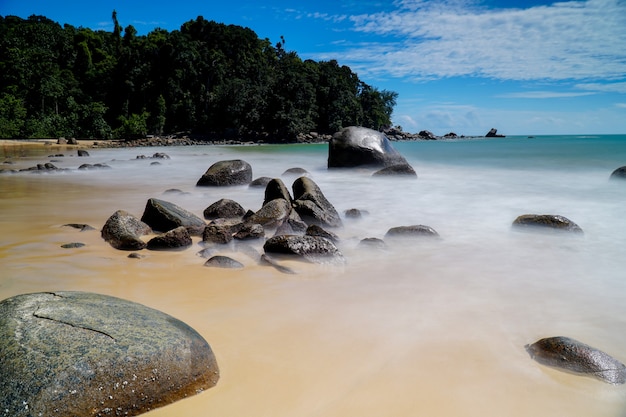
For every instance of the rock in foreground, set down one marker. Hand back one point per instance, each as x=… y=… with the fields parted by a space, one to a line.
x=85 y=355
x=576 y=357
x=619 y=173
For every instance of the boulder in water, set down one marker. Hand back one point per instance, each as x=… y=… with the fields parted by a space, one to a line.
x=164 y=216
x=573 y=356
x=359 y=146
x=123 y=230
x=227 y=173
x=311 y=204
x=546 y=221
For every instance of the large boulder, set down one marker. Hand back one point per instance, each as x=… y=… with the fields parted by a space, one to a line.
x=164 y=216
x=84 y=354
x=123 y=231
x=315 y=249
x=311 y=204
x=359 y=146
x=226 y=173
x=573 y=356
x=546 y=221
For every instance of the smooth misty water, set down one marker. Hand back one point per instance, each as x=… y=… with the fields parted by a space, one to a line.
x=424 y=328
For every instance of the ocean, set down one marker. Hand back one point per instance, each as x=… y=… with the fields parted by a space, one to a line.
x=424 y=327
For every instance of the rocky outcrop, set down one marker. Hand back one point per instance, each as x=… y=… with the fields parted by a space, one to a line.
x=315 y=249
x=311 y=204
x=178 y=238
x=546 y=221
x=493 y=133
x=123 y=231
x=164 y=216
x=358 y=146
x=417 y=230
x=85 y=354
x=214 y=233
x=573 y=356
x=427 y=134
x=227 y=173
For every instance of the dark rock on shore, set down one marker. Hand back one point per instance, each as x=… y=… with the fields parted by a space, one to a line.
x=311 y=204
x=546 y=221
x=123 y=231
x=93 y=166
x=249 y=231
x=267 y=260
x=177 y=238
x=224 y=209
x=164 y=216
x=82 y=152
x=315 y=249
x=418 y=230
x=619 y=173
x=573 y=356
x=84 y=354
x=358 y=146
x=227 y=173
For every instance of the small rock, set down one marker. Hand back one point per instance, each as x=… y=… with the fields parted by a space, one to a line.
x=219 y=261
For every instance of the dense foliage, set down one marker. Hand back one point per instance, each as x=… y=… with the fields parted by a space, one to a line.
x=206 y=78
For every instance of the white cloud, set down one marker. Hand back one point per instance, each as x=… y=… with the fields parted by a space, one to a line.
x=545 y=94
x=605 y=87
x=422 y=40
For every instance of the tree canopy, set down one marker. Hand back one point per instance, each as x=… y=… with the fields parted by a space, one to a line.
x=206 y=78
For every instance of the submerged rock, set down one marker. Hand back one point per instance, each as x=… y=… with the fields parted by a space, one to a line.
x=404 y=170
x=548 y=221
x=220 y=261
x=418 y=230
x=86 y=355
x=573 y=356
x=312 y=248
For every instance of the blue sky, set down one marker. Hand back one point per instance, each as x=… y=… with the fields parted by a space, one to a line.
x=525 y=67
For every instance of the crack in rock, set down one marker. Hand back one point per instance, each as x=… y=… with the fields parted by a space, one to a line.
x=74 y=325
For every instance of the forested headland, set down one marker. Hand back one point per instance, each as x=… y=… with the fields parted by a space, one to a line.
x=207 y=78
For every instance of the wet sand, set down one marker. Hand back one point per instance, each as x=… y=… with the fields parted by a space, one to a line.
x=414 y=335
